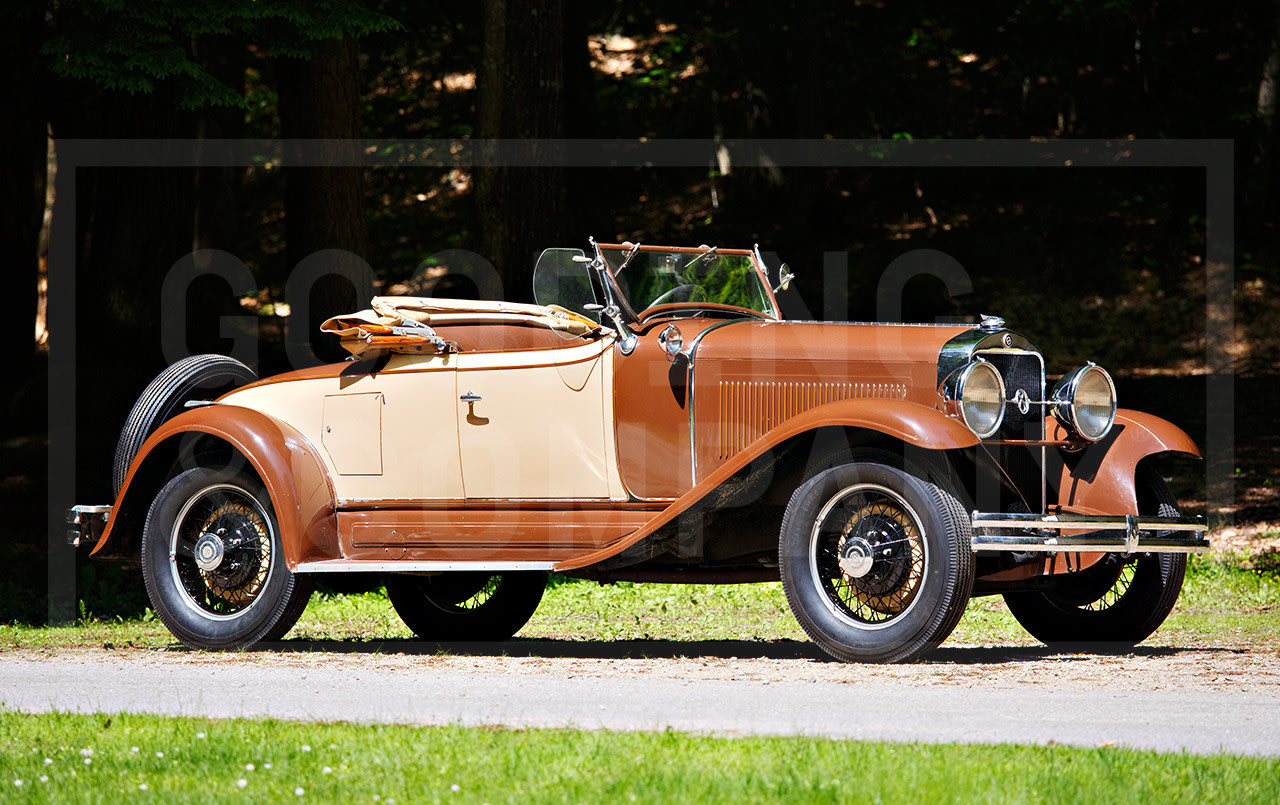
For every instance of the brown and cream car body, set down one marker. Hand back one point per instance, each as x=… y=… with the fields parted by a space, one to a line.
x=883 y=473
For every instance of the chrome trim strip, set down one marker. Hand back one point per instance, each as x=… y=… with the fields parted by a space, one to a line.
x=1145 y=523
x=1089 y=544
x=368 y=566
x=689 y=353
x=1111 y=533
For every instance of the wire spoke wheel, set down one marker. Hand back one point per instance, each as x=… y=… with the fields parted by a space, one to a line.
x=463 y=605
x=1118 y=601
x=876 y=562
x=222 y=550
x=213 y=561
x=869 y=554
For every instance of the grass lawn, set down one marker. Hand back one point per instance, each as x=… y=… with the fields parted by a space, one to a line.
x=1226 y=600
x=71 y=758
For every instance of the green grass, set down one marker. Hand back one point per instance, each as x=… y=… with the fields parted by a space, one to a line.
x=1226 y=600
x=202 y=760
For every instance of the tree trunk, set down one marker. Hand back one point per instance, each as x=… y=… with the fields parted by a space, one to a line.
x=521 y=87
x=320 y=101
x=24 y=143
x=1265 y=162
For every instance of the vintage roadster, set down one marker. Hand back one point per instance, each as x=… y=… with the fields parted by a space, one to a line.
x=652 y=418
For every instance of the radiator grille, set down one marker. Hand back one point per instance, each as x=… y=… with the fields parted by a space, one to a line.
x=751 y=408
x=1021 y=371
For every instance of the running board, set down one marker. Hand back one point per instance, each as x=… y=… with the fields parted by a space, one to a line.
x=390 y=566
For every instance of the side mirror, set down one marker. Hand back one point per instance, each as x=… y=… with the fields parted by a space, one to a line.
x=784 y=278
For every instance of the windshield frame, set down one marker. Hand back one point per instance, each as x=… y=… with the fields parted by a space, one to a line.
x=693 y=251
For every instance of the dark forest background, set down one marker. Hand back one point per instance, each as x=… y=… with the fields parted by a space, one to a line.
x=1092 y=263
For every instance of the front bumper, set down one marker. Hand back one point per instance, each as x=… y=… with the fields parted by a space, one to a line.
x=87 y=523
x=1052 y=533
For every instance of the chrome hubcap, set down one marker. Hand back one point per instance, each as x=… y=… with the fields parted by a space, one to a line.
x=856 y=558
x=209 y=551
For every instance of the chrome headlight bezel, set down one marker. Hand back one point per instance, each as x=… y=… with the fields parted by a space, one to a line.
x=1069 y=410
x=961 y=388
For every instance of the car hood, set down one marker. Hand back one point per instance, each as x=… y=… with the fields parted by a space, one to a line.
x=826 y=341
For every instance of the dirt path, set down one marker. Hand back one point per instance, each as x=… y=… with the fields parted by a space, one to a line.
x=1146 y=668
x=1200 y=700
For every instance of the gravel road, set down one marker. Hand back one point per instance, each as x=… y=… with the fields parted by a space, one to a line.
x=1198 y=700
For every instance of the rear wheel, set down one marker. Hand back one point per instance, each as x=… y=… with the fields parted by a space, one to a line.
x=213 y=563
x=1117 y=602
x=466 y=605
x=876 y=563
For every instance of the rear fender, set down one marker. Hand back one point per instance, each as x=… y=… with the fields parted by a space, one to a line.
x=1100 y=478
x=288 y=464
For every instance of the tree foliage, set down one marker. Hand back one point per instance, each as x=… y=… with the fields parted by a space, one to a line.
x=119 y=45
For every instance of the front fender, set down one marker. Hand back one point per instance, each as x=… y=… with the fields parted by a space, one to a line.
x=1100 y=478
x=288 y=464
x=908 y=422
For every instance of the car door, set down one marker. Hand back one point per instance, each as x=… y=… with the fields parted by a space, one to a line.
x=533 y=424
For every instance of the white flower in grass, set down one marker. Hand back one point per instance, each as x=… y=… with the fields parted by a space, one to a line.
x=242 y=782
x=299 y=791
x=455 y=788
x=86 y=753
x=48 y=761
x=159 y=754
x=266 y=765
x=326 y=770
x=200 y=735
x=88 y=760
x=133 y=749
x=142 y=786
x=18 y=783
x=306 y=748
x=44 y=778
x=248 y=767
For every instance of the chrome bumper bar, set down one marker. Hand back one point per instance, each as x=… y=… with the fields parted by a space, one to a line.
x=1117 y=534
x=87 y=524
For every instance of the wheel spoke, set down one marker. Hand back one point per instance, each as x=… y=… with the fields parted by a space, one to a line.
x=875 y=521
x=236 y=523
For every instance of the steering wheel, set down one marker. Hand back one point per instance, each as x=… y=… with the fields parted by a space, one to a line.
x=669 y=296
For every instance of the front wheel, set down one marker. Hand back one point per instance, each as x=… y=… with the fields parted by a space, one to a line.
x=466 y=605
x=876 y=563
x=1115 y=603
x=213 y=563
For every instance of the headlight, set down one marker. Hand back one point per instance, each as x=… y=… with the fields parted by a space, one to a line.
x=979 y=390
x=1084 y=401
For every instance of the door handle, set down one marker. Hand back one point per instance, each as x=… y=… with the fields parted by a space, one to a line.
x=471 y=397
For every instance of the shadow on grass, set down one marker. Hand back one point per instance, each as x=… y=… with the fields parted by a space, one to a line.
x=703 y=649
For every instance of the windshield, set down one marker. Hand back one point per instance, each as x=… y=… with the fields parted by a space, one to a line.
x=662 y=275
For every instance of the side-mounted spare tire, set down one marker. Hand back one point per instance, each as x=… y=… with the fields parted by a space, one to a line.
x=198 y=377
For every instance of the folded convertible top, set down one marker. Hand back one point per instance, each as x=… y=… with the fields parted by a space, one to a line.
x=403 y=324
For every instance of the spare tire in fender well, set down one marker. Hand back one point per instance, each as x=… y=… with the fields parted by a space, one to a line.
x=287 y=463
x=196 y=377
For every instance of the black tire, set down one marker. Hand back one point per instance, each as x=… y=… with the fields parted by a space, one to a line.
x=464 y=606
x=1117 y=602
x=249 y=595
x=908 y=572
x=198 y=377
